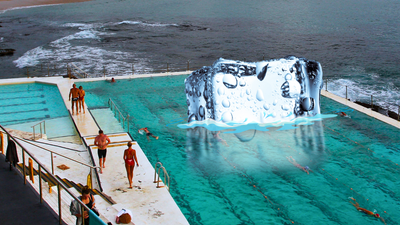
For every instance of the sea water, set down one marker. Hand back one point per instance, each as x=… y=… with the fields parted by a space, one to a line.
x=356 y=42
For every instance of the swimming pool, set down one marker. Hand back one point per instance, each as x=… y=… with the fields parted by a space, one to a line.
x=245 y=178
x=24 y=105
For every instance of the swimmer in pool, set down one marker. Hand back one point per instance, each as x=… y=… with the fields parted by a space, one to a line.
x=343 y=114
x=366 y=211
x=148 y=133
x=304 y=168
x=219 y=139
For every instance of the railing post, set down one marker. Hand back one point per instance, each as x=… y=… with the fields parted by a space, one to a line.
x=158 y=177
x=104 y=71
x=33 y=132
x=188 y=65
x=91 y=178
x=372 y=104
x=82 y=214
x=44 y=126
x=41 y=133
x=59 y=203
x=346 y=92
x=40 y=183
x=133 y=71
x=23 y=166
x=326 y=85
x=167 y=67
x=263 y=57
x=155 y=171
x=127 y=120
x=52 y=164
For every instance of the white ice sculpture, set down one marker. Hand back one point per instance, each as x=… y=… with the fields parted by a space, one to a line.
x=261 y=92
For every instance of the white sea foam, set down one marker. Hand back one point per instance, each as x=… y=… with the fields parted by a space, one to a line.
x=1 y=39
x=92 y=60
x=147 y=24
x=32 y=57
x=387 y=97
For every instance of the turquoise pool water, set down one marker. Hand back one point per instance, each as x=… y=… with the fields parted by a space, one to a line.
x=24 y=105
x=246 y=178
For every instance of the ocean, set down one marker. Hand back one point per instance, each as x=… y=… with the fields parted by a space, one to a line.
x=356 y=42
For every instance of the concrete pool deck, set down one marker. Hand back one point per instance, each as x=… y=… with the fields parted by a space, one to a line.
x=148 y=204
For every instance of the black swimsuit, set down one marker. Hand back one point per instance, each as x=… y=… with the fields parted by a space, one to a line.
x=89 y=205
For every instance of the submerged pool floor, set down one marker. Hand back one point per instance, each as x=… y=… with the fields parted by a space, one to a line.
x=246 y=178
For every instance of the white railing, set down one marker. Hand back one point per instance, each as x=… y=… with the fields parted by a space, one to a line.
x=114 y=108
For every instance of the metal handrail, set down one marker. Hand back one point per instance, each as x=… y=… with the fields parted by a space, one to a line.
x=155 y=169
x=166 y=176
x=371 y=98
x=120 y=115
x=52 y=162
x=89 y=151
x=93 y=167
x=85 y=75
x=58 y=181
x=41 y=133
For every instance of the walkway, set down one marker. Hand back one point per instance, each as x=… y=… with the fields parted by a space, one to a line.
x=20 y=203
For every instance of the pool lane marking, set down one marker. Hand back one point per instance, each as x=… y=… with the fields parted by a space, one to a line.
x=33 y=103
x=22 y=91
x=111 y=145
x=276 y=206
x=111 y=135
x=265 y=196
x=26 y=111
x=167 y=102
x=349 y=187
x=251 y=183
x=32 y=119
x=361 y=145
x=38 y=96
x=334 y=176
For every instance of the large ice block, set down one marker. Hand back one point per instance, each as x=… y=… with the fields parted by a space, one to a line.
x=266 y=91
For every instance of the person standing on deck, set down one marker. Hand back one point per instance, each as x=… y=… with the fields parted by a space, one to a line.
x=130 y=159
x=74 y=93
x=102 y=141
x=81 y=101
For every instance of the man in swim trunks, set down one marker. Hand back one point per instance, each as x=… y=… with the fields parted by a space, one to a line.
x=102 y=141
x=148 y=133
x=366 y=211
x=304 y=168
x=74 y=93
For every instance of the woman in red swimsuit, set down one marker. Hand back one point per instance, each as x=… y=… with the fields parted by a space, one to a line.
x=130 y=159
x=81 y=100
